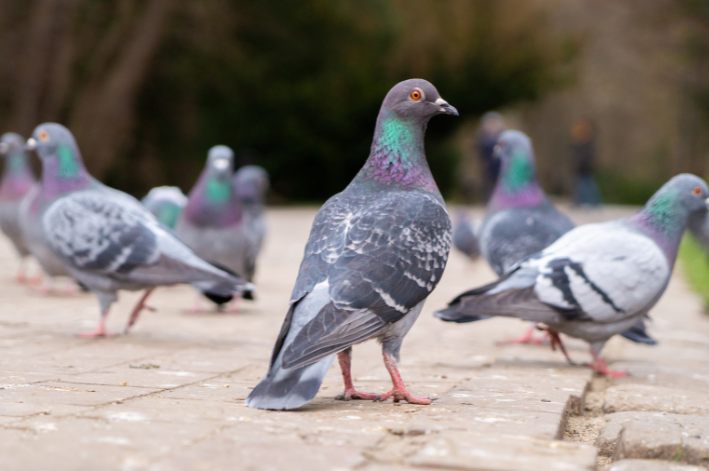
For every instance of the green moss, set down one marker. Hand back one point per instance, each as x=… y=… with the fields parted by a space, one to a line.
x=695 y=265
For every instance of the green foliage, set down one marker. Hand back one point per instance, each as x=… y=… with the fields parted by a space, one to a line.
x=301 y=82
x=621 y=189
x=695 y=263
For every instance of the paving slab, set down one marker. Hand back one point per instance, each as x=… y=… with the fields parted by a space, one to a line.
x=650 y=465
x=64 y=405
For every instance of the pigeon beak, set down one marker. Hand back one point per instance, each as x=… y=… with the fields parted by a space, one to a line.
x=446 y=107
x=221 y=164
x=4 y=147
x=31 y=144
x=706 y=201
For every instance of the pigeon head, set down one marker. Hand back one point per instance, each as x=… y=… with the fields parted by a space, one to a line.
x=11 y=144
x=517 y=184
x=251 y=184
x=397 y=156
x=166 y=203
x=220 y=160
x=63 y=168
x=666 y=214
x=416 y=100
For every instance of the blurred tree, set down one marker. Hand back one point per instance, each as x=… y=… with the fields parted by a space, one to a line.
x=148 y=86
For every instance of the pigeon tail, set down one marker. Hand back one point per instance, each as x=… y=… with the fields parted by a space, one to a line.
x=453 y=314
x=284 y=389
x=638 y=334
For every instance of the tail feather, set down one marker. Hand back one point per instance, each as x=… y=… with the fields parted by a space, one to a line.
x=638 y=334
x=284 y=389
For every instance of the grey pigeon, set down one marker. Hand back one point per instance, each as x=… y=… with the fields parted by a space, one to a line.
x=32 y=234
x=213 y=223
x=106 y=239
x=520 y=219
x=251 y=185
x=17 y=181
x=464 y=238
x=166 y=203
x=597 y=280
x=375 y=253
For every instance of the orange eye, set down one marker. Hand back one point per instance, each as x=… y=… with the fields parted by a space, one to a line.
x=697 y=191
x=416 y=94
x=43 y=136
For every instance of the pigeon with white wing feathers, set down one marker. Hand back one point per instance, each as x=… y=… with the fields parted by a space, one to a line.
x=17 y=181
x=375 y=253
x=106 y=239
x=597 y=280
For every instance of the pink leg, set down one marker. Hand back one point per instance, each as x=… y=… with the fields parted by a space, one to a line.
x=556 y=342
x=137 y=309
x=100 y=330
x=197 y=305
x=233 y=306
x=527 y=337
x=36 y=278
x=47 y=286
x=399 y=392
x=21 y=275
x=345 y=359
x=599 y=366
x=70 y=289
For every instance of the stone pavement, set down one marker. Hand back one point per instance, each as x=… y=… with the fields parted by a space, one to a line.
x=170 y=396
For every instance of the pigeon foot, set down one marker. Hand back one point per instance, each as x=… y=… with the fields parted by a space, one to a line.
x=599 y=366
x=399 y=395
x=526 y=338
x=350 y=394
x=99 y=332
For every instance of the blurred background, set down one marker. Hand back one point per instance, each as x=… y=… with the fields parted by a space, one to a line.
x=147 y=86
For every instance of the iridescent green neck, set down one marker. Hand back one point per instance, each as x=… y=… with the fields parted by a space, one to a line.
x=397 y=156
x=518 y=173
x=218 y=190
x=17 y=163
x=68 y=167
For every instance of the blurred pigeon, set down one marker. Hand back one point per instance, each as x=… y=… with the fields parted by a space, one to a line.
x=166 y=203
x=17 y=181
x=251 y=184
x=31 y=227
x=213 y=222
x=464 y=238
x=521 y=220
x=597 y=280
x=106 y=239
x=375 y=252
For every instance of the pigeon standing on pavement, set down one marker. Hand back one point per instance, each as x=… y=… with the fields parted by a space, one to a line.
x=251 y=185
x=166 y=203
x=32 y=234
x=213 y=222
x=375 y=253
x=106 y=239
x=520 y=219
x=596 y=280
x=16 y=183
x=464 y=238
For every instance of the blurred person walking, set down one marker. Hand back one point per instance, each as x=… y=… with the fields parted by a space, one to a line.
x=492 y=124
x=583 y=155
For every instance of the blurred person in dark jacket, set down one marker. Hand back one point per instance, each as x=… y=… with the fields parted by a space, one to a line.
x=583 y=155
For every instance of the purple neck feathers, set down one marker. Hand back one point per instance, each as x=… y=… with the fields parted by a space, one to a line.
x=213 y=202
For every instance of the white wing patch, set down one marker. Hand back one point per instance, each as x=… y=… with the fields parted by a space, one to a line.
x=611 y=271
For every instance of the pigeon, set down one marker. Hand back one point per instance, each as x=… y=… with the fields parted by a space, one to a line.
x=31 y=228
x=251 y=184
x=596 y=280
x=213 y=222
x=375 y=253
x=17 y=181
x=520 y=219
x=166 y=203
x=106 y=239
x=464 y=238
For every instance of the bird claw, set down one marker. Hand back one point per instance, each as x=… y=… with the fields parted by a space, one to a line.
x=350 y=394
x=98 y=333
x=399 y=395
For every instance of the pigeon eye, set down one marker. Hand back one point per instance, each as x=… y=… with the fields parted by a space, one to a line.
x=697 y=191
x=416 y=94
x=43 y=136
